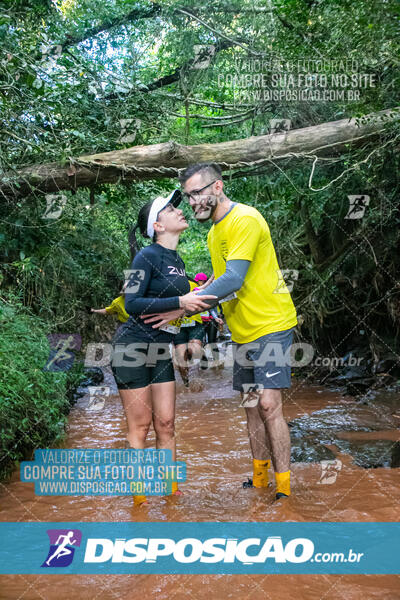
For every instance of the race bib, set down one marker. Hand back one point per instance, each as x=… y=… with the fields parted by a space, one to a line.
x=187 y=322
x=172 y=326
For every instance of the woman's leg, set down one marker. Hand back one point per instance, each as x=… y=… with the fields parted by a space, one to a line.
x=138 y=411
x=163 y=395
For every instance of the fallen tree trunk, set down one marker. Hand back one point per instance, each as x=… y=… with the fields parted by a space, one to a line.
x=164 y=160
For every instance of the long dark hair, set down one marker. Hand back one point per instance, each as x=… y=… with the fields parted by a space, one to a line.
x=141 y=224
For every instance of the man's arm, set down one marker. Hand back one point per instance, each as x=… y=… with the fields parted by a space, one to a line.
x=243 y=241
x=231 y=281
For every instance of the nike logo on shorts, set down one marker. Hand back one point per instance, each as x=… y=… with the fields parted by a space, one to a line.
x=271 y=374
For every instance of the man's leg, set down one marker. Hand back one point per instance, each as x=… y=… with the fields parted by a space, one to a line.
x=260 y=448
x=243 y=379
x=181 y=359
x=270 y=410
x=195 y=347
x=272 y=372
x=256 y=429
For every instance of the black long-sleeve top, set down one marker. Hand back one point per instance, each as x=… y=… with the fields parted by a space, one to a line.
x=157 y=278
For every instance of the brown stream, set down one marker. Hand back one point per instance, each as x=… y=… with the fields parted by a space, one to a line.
x=212 y=439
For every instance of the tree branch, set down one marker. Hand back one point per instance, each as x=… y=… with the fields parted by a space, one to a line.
x=164 y=160
x=134 y=14
x=174 y=76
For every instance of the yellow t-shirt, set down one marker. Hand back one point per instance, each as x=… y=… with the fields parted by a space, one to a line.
x=263 y=304
x=117 y=307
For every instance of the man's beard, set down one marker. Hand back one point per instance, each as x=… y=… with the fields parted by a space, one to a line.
x=205 y=209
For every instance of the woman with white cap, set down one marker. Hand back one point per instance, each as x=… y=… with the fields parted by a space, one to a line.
x=142 y=364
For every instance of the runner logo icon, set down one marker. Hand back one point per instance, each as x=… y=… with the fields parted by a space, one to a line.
x=61 y=551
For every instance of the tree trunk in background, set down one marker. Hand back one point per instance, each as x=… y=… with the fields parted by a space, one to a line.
x=164 y=160
x=316 y=248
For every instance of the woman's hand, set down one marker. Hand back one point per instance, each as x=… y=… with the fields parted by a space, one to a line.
x=220 y=323
x=192 y=302
x=160 y=319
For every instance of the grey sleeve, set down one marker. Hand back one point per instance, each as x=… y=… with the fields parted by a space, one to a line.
x=231 y=281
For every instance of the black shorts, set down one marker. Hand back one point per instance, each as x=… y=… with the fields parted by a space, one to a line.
x=138 y=364
x=265 y=362
x=186 y=334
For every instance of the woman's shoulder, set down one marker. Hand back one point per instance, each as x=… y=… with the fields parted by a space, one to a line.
x=149 y=251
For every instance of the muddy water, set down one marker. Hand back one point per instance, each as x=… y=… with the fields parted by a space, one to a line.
x=212 y=438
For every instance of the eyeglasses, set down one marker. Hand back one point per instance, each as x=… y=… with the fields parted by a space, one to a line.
x=196 y=193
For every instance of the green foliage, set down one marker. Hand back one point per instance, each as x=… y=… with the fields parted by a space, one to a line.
x=33 y=403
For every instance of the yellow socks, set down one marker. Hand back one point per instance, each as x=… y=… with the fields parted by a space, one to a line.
x=260 y=477
x=138 y=500
x=260 y=472
x=283 y=483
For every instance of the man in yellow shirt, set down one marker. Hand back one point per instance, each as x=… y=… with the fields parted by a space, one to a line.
x=259 y=313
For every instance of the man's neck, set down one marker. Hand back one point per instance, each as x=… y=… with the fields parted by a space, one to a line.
x=223 y=207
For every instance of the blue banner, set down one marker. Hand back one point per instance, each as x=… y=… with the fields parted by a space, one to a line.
x=203 y=548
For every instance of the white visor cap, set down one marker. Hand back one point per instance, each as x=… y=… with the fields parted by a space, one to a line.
x=174 y=198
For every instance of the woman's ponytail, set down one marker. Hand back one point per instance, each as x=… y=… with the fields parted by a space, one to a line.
x=142 y=226
x=133 y=241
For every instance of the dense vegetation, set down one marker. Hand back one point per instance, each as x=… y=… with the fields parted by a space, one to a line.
x=72 y=70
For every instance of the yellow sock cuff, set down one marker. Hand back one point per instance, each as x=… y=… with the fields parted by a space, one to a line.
x=283 y=483
x=260 y=472
x=138 y=500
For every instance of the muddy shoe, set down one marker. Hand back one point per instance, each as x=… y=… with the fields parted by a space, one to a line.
x=248 y=483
